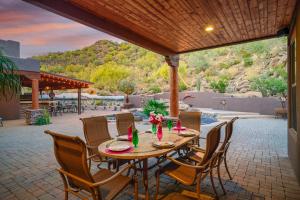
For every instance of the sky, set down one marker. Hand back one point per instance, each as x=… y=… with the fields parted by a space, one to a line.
x=40 y=31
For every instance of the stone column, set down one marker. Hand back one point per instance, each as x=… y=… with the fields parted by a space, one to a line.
x=173 y=62
x=35 y=94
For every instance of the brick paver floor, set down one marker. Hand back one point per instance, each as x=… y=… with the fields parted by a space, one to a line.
x=258 y=162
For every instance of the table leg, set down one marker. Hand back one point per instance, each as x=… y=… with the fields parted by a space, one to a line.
x=145 y=177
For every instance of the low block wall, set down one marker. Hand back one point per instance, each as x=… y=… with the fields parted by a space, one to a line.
x=262 y=105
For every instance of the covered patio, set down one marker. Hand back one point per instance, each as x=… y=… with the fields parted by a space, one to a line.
x=258 y=162
x=49 y=82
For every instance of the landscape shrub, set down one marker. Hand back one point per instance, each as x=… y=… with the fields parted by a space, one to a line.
x=154 y=89
x=219 y=85
x=127 y=87
x=182 y=86
x=98 y=102
x=269 y=86
x=43 y=119
x=248 y=61
x=155 y=106
x=198 y=84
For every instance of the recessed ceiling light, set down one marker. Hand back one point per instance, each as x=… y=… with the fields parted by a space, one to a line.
x=209 y=29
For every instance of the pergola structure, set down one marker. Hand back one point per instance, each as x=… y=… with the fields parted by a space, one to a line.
x=42 y=81
x=179 y=26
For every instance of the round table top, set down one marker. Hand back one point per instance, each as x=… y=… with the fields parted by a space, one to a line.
x=145 y=148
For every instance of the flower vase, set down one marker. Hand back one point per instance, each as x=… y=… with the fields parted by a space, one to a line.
x=178 y=126
x=129 y=133
x=159 y=132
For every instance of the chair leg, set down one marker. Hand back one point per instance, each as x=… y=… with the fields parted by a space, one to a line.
x=136 y=189
x=212 y=182
x=66 y=195
x=220 y=180
x=225 y=162
x=129 y=170
x=157 y=174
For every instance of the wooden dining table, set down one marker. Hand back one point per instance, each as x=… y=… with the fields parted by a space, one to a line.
x=146 y=150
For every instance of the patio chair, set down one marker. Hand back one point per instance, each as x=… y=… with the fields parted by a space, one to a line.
x=95 y=131
x=190 y=120
x=70 y=153
x=221 y=154
x=123 y=121
x=189 y=173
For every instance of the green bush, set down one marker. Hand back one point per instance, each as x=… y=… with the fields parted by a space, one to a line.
x=156 y=107
x=182 y=86
x=248 y=61
x=154 y=89
x=269 y=86
x=127 y=87
x=43 y=119
x=219 y=85
x=98 y=102
x=198 y=84
x=224 y=65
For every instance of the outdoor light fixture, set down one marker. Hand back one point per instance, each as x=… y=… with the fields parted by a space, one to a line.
x=209 y=28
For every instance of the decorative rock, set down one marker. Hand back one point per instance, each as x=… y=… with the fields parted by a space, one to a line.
x=32 y=114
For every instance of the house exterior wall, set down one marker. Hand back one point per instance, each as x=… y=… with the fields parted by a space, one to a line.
x=10 y=48
x=10 y=108
x=294 y=135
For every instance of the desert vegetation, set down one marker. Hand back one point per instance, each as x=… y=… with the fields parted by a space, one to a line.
x=257 y=66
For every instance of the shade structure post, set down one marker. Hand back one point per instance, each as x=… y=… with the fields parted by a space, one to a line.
x=35 y=94
x=79 y=101
x=173 y=62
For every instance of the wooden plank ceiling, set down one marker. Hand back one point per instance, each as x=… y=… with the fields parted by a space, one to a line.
x=178 y=26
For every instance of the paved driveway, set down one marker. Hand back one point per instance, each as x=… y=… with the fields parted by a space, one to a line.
x=258 y=161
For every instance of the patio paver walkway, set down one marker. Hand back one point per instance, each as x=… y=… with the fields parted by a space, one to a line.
x=258 y=162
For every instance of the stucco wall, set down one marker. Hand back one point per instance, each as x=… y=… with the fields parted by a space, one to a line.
x=294 y=135
x=260 y=105
x=10 y=48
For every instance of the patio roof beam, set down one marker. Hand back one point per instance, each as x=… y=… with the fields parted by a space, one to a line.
x=68 y=10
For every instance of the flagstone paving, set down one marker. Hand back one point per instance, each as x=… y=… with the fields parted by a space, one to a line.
x=257 y=158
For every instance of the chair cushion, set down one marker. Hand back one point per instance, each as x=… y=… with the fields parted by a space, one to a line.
x=112 y=188
x=183 y=174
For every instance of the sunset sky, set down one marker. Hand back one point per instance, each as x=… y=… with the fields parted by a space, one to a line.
x=40 y=31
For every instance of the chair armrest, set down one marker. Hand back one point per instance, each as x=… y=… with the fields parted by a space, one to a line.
x=75 y=177
x=184 y=164
x=113 y=177
x=92 y=156
x=91 y=147
x=198 y=149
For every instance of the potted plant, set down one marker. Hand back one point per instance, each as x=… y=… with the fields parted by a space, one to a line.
x=9 y=81
x=127 y=87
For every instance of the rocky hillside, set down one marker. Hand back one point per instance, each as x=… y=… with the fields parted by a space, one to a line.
x=228 y=69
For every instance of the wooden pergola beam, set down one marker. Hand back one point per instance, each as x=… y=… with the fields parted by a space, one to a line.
x=68 y=10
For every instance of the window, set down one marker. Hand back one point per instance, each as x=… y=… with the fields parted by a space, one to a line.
x=293 y=86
